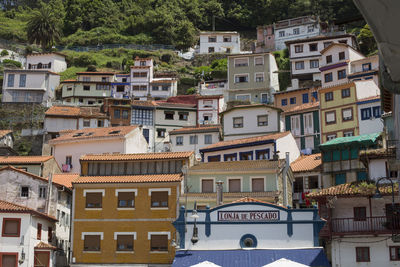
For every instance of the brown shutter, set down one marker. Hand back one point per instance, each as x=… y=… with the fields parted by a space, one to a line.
x=92 y=243
x=11 y=227
x=126 y=199
x=234 y=185
x=93 y=200
x=159 y=199
x=258 y=184
x=9 y=260
x=159 y=243
x=39 y=231
x=125 y=242
x=207 y=186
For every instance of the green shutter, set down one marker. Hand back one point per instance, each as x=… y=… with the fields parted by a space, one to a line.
x=345 y=154
x=287 y=123
x=361 y=176
x=354 y=153
x=327 y=156
x=336 y=155
x=340 y=178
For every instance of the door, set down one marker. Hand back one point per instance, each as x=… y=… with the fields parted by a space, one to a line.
x=42 y=258
x=392 y=218
x=308 y=123
x=8 y=259
x=146 y=134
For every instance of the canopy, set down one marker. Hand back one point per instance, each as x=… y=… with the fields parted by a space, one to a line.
x=285 y=263
x=364 y=140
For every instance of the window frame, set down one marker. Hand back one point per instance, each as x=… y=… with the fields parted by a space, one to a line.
x=358 y=252
x=24 y=186
x=241 y=75
x=298 y=48
x=328 y=59
x=341 y=74
x=126 y=190
x=241 y=65
x=326 y=116
x=342 y=55
x=260 y=124
x=237 y=125
x=300 y=66
x=344 y=92
x=284 y=102
x=151 y=234
x=90 y=191
x=3 y=233
x=328 y=77
x=292 y=100
x=327 y=99
x=397 y=253
x=159 y=190
x=206 y=141
x=84 y=234
x=314 y=66
x=312 y=45
x=229 y=185
x=193 y=139
x=39 y=231
x=356 y=213
x=133 y=234
x=255 y=64
x=352 y=114
x=208 y=179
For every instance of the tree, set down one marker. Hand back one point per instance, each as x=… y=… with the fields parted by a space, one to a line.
x=367 y=41
x=43 y=27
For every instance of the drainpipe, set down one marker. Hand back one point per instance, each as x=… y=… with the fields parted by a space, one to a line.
x=220 y=197
x=285 y=172
x=48 y=198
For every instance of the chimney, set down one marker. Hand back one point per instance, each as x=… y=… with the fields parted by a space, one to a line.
x=220 y=197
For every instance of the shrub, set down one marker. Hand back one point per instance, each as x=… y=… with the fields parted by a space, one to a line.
x=91 y=68
x=84 y=60
x=12 y=62
x=4 y=53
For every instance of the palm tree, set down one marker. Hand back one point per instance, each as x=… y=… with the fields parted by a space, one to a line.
x=43 y=27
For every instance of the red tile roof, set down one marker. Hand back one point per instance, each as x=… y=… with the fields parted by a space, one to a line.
x=69 y=111
x=138 y=156
x=208 y=96
x=200 y=129
x=142 y=103
x=93 y=133
x=273 y=136
x=42 y=245
x=251 y=106
x=24 y=159
x=4 y=133
x=14 y=208
x=151 y=178
x=307 y=106
x=94 y=73
x=175 y=105
x=65 y=179
x=306 y=163
x=183 y=99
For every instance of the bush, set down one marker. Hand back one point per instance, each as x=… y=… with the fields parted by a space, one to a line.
x=91 y=68
x=191 y=91
x=166 y=58
x=84 y=60
x=12 y=62
x=4 y=53
x=188 y=81
x=114 y=64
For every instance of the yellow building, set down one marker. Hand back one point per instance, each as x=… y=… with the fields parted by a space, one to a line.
x=126 y=218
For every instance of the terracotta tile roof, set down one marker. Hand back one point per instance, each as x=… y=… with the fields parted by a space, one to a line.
x=138 y=156
x=11 y=207
x=141 y=103
x=69 y=111
x=65 y=179
x=42 y=245
x=175 y=105
x=93 y=133
x=200 y=129
x=69 y=80
x=307 y=106
x=250 y=106
x=248 y=140
x=4 y=133
x=318 y=37
x=94 y=73
x=151 y=178
x=241 y=165
x=24 y=159
x=183 y=99
x=208 y=96
x=48 y=53
x=307 y=163
x=356 y=189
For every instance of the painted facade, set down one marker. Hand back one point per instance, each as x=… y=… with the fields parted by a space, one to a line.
x=54 y=62
x=42 y=166
x=118 y=110
x=365 y=69
x=370 y=113
x=265 y=39
x=213 y=87
x=6 y=138
x=219 y=42
x=208 y=109
x=121 y=87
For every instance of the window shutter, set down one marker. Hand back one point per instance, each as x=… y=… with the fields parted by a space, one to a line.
x=125 y=242
x=159 y=242
x=92 y=242
x=94 y=200
x=159 y=199
x=234 y=185
x=257 y=185
x=11 y=227
x=207 y=186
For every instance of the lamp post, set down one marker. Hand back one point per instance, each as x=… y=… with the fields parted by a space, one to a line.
x=195 y=216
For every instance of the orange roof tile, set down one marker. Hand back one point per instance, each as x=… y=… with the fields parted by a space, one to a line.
x=94 y=73
x=93 y=133
x=24 y=159
x=11 y=207
x=313 y=105
x=69 y=80
x=142 y=103
x=200 y=129
x=69 y=111
x=138 y=156
x=163 y=104
x=4 y=133
x=42 y=245
x=307 y=163
x=222 y=144
x=151 y=178
x=248 y=199
x=65 y=179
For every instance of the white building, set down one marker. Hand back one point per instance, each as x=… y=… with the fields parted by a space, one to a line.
x=369 y=118
x=52 y=61
x=213 y=87
x=71 y=145
x=364 y=69
x=121 y=88
x=219 y=42
x=208 y=109
x=6 y=138
x=251 y=120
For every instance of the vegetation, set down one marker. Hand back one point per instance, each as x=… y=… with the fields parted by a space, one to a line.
x=12 y=63
x=283 y=62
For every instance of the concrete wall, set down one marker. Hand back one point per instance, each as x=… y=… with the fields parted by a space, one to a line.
x=372 y=125
x=220 y=46
x=287 y=144
x=58 y=63
x=289 y=34
x=76 y=90
x=242 y=149
x=193 y=147
x=212 y=110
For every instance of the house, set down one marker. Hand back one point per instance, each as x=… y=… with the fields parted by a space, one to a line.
x=271 y=146
x=118 y=110
x=42 y=166
x=292 y=98
x=249 y=232
x=364 y=69
x=307 y=177
x=126 y=218
x=29 y=86
x=71 y=145
x=250 y=120
x=213 y=87
x=52 y=61
x=339 y=110
x=252 y=78
x=143 y=113
x=219 y=42
x=340 y=158
x=363 y=229
x=268 y=180
x=194 y=138
x=208 y=108
x=90 y=88
x=369 y=120
x=7 y=143
x=265 y=39
x=305 y=56
x=121 y=87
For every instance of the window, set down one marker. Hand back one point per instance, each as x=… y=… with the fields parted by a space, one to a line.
x=329 y=96
x=330 y=117
x=126 y=199
x=281 y=33
x=49 y=234
x=262 y=120
x=264 y=98
x=298 y=48
x=169 y=115
x=39 y=231
x=366 y=66
x=86 y=79
x=341 y=56
x=10 y=80
x=330 y=137
x=125 y=114
x=257 y=185
x=242 y=78
x=242 y=97
x=159 y=199
x=262 y=154
x=296 y=31
x=313 y=47
x=120 y=88
x=193 y=139
x=124 y=80
x=238 y=122
x=293 y=100
x=348 y=133
x=58 y=215
x=308 y=123
x=234 y=185
x=24 y=191
x=310 y=28
x=161 y=132
x=345 y=92
x=142 y=116
x=227 y=39
x=165 y=88
x=341 y=74
x=362 y=254
x=42 y=191
x=284 y=102
x=258 y=61
x=179 y=140
x=216 y=158
x=328 y=77
x=154 y=88
x=212 y=39
x=246 y=155
x=347 y=114
x=91 y=243
x=159 y=243
x=208 y=139
x=142 y=63
x=343 y=41
x=117 y=113
x=94 y=200
x=376 y=111
x=22 y=80
x=328 y=59
x=207 y=185
x=69 y=88
x=366 y=113
x=230 y=157
x=183 y=116
x=102 y=87
x=125 y=242
x=315 y=95
x=326 y=44
x=299 y=65
x=104 y=79
x=394 y=253
x=86 y=123
x=11 y=227
x=207 y=103
x=314 y=64
x=241 y=62
x=305 y=98
x=259 y=77
x=360 y=213
x=86 y=87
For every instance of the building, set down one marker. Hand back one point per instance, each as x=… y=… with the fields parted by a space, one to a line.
x=369 y=120
x=249 y=232
x=52 y=61
x=109 y=225
x=252 y=78
x=219 y=42
x=7 y=143
x=364 y=69
x=118 y=110
x=143 y=113
x=271 y=146
x=194 y=138
x=42 y=166
x=265 y=39
x=208 y=109
x=121 y=87
x=250 y=120
x=29 y=86
x=360 y=229
x=90 y=88
x=213 y=87
x=71 y=145
x=307 y=178
x=292 y=98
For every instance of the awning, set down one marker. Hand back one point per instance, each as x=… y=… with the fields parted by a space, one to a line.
x=364 y=140
x=250 y=257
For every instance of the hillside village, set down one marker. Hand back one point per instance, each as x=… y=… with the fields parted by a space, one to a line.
x=283 y=152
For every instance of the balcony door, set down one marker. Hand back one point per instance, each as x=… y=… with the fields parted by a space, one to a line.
x=295 y=125
x=392 y=217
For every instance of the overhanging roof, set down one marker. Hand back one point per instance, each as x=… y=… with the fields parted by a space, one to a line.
x=364 y=140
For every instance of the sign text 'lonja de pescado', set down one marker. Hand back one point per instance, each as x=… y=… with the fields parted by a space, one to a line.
x=248 y=216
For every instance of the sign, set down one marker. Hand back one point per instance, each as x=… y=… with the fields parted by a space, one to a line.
x=248 y=216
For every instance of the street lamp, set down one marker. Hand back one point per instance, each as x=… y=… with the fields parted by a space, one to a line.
x=195 y=216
